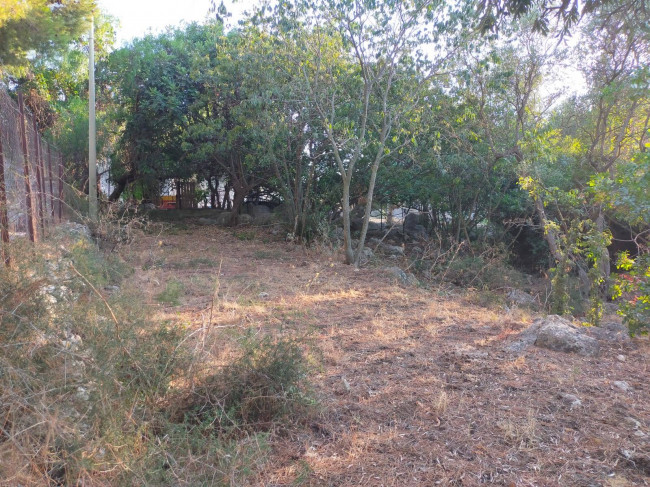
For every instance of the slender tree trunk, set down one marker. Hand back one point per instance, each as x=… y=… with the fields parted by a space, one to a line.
x=601 y=226
x=212 y=193
x=4 y=220
x=369 y=196
x=550 y=234
x=347 y=236
x=305 y=201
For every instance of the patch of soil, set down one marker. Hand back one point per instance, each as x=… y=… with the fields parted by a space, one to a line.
x=415 y=387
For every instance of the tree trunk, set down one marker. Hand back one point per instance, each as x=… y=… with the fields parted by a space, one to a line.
x=604 y=262
x=366 y=215
x=238 y=200
x=120 y=186
x=347 y=236
x=550 y=234
x=213 y=192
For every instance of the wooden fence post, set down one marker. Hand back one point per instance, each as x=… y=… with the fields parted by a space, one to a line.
x=39 y=176
x=60 y=188
x=4 y=221
x=28 y=184
x=49 y=171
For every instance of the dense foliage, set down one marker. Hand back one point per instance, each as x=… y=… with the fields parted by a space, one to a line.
x=339 y=108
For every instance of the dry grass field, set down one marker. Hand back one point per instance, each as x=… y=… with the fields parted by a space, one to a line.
x=413 y=385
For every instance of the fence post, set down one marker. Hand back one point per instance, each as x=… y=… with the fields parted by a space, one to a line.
x=31 y=229
x=41 y=161
x=60 y=188
x=49 y=171
x=4 y=221
x=39 y=176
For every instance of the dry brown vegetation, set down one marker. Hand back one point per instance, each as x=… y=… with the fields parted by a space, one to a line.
x=413 y=384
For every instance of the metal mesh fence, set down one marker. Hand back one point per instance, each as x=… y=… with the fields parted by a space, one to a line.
x=31 y=172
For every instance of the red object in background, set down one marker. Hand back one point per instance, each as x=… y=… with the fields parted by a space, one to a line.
x=167 y=203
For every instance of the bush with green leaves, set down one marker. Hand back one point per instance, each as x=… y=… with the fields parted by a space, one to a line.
x=632 y=288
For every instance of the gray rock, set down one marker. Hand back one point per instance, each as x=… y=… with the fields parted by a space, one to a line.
x=560 y=335
x=245 y=219
x=415 y=225
x=74 y=229
x=406 y=279
x=258 y=210
x=224 y=218
x=366 y=254
x=82 y=393
x=413 y=220
x=570 y=400
x=611 y=332
x=392 y=249
x=555 y=333
x=520 y=298
x=418 y=232
x=633 y=422
x=386 y=248
x=622 y=385
x=356 y=224
x=526 y=338
x=357 y=212
x=72 y=342
x=261 y=214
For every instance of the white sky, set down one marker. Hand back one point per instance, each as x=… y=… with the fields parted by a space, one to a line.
x=138 y=17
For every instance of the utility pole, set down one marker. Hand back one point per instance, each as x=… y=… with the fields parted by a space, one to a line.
x=92 y=148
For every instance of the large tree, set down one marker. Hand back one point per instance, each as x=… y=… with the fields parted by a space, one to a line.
x=41 y=26
x=367 y=66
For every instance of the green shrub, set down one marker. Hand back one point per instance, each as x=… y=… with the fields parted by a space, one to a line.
x=263 y=385
x=172 y=293
x=633 y=289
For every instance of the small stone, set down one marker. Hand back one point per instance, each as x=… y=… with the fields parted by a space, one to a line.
x=406 y=279
x=346 y=384
x=620 y=358
x=622 y=385
x=82 y=393
x=570 y=400
x=633 y=422
x=263 y=295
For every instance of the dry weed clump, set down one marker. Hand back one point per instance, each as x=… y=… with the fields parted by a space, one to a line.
x=261 y=386
x=87 y=380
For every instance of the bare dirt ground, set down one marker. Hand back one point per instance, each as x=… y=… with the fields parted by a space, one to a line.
x=414 y=385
